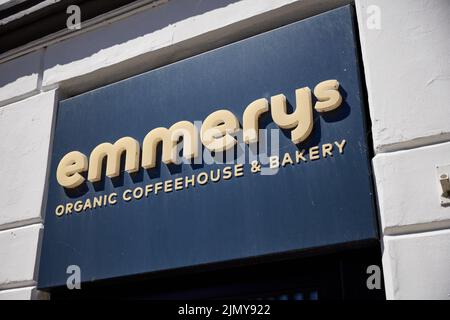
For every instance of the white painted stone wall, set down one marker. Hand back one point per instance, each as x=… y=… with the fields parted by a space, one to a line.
x=407 y=69
x=20 y=77
x=407 y=73
x=25 y=131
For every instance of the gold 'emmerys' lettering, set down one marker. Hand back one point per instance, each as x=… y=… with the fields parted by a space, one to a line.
x=216 y=134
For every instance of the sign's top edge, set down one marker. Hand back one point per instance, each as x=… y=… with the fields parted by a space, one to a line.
x=346 y=8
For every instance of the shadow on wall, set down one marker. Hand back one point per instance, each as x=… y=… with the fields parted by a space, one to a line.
x=22 y=67
x=136 y=26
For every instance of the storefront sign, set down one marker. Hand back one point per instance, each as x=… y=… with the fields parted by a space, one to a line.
x=252 y=149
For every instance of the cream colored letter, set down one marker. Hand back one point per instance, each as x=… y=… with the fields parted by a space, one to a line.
x=217 y=130
x=301 y=119
x=327 y=92
x=69 y=169
x=113 y=153
x=251 y=119
x=169 y=139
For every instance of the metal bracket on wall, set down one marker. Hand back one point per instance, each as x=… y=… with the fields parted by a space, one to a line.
x=443 y=174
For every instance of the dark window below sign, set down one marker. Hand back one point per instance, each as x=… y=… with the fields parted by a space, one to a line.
x=334 y=276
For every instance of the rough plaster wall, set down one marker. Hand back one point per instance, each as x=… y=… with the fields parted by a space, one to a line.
x=25 y=130
x=407 y=69
x=407 y=65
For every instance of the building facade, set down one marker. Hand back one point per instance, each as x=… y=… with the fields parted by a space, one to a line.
x=49 y=59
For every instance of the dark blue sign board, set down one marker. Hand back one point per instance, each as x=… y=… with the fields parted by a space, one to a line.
x=312 y=205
